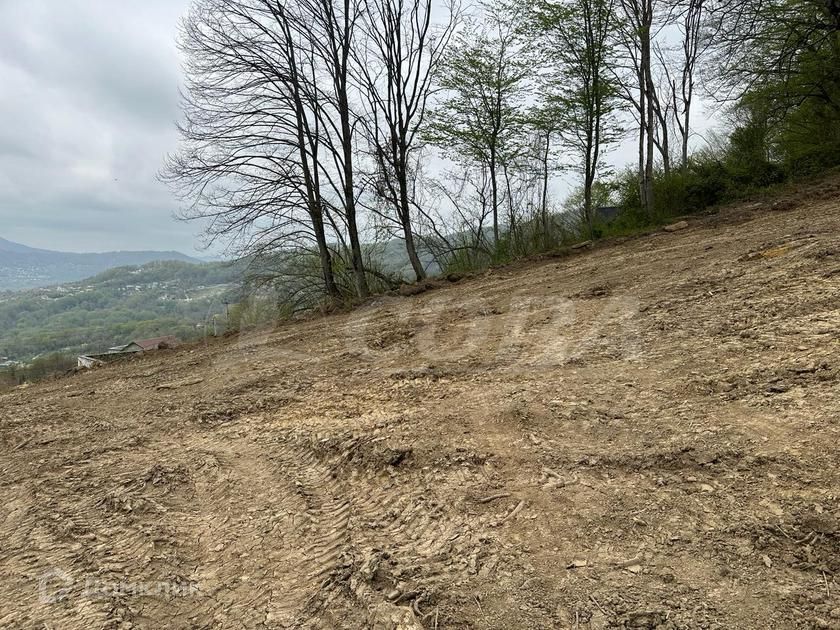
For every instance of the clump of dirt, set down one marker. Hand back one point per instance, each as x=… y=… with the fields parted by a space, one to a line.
x=595 y=292
x=392 y=333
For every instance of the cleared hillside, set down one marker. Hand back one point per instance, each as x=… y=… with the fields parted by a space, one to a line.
x=640 y=436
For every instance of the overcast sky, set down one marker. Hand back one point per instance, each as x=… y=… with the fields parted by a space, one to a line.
x=88 y=103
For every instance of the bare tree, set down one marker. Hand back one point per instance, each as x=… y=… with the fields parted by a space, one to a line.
x=663 y=109
x=248 y=165
x=678 y=67
x=402 y=52
x=691 y=23
x=637 y=35
x=331 y=29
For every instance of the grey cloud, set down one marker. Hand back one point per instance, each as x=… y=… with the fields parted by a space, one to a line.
x=87 y=114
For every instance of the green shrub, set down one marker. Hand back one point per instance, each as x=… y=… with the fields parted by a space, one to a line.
x=706 y=181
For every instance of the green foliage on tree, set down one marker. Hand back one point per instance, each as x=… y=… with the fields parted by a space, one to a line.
x=780 y=61
x=579 y=94
x=480 y=121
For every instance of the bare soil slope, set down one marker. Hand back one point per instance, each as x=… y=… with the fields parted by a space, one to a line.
x=641 y=436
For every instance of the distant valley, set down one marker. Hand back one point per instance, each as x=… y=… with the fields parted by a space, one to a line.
x=54 y=302
x=23 y=267
x=116 y=306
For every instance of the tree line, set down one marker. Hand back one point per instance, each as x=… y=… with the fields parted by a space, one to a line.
x=312 y=127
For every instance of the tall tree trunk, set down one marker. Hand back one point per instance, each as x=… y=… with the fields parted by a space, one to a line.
x=588 y=181
x=411 y=250
x=685 y=133
x=494 y=191
x=405 y=220
x=350 y=212
x=347 y=151
x=665 y=147
x=649 y=164
x=324 y=254
x=642 y=135
x=544 y=203
x=650 y=114
x=587 y=206
x=662 y=139
x=596 y=145
x=511 y=210
x=312 y=190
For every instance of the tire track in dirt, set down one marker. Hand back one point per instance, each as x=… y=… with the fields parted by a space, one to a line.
x=283 y=523
x=358 y=506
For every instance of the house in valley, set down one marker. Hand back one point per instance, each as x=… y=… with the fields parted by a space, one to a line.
x=132 y=348
x=148 y=345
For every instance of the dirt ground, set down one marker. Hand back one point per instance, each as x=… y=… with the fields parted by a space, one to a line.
x=641 y=436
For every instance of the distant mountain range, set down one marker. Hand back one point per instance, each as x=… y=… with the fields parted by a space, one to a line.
x=23 y=267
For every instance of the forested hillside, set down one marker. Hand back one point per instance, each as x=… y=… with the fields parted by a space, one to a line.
x=23 y=267
x=163 y=298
